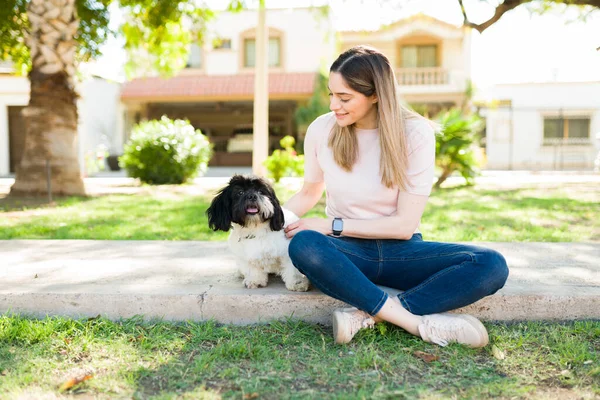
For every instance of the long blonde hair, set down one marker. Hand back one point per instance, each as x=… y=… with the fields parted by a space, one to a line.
x=367 y=71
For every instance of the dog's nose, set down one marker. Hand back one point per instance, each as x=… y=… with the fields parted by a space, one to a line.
x=252 y=196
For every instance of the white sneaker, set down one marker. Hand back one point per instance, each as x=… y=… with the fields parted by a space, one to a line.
x=347 y=322
x=447 y=328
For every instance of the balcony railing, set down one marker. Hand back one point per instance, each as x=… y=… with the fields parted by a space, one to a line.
x=422 y=76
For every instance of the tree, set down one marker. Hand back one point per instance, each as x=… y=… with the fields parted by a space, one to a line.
x=456 y=145
x=47 y=38
x=507 y=5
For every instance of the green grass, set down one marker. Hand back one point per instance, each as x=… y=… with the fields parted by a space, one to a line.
x=562 y=213
x=137 y=359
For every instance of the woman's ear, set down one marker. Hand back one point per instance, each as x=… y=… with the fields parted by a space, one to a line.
x=220 y=212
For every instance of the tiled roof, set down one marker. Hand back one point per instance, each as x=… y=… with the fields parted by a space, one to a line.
x=217 y=86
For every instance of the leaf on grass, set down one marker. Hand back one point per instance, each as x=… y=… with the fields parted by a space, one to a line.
x=251 y=395
x=71 y=383
x=426 y=356
x=4 y=372
x=497 y=353
x=566 y=373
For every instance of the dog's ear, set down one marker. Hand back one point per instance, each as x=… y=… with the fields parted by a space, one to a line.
x=277 y=220
x=220 y=212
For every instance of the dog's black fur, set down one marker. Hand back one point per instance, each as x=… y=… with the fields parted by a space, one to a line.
x=232 y=201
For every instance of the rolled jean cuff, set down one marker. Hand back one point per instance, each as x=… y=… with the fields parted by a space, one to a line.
x=377 y=308
x=403 y=302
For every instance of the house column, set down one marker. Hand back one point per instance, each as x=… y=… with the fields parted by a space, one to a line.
x=260 y=142
x=4 y=143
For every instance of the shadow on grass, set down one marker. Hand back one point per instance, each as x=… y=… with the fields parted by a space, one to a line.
x=20 y=203
x=295 y=359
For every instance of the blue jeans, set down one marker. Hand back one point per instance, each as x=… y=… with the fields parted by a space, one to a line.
x=435 y=277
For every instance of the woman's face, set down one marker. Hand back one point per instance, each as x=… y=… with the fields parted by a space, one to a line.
x=350 y=106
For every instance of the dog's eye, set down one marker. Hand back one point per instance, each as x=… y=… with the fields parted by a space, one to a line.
x=241 y=192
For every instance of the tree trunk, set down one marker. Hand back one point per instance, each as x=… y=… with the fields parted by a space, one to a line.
x=445 y=174
x=51 y=116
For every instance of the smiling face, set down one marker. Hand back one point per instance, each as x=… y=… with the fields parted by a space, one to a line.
x=351 y=107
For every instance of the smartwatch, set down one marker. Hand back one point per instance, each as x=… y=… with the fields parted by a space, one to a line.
x=337 y=226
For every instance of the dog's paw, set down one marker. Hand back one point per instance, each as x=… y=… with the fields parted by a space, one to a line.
x=254 y=284
x=300 y=285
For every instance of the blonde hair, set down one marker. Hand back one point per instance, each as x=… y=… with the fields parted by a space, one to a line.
x=367 y=71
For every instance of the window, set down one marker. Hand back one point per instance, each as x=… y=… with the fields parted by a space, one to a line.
x=222 y=44
x=195 y=58
x=274 y=52
x=569 y=130
x=419 y=56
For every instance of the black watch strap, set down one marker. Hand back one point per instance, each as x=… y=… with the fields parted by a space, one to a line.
x=337 y=226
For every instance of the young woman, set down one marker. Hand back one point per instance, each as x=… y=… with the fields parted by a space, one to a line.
x=376 y=160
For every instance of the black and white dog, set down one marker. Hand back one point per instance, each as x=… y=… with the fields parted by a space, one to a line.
x=250 y=206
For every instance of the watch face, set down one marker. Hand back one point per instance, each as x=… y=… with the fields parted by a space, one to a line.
x=338 y=225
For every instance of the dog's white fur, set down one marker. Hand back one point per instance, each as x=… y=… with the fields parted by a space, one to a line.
x=260 y=251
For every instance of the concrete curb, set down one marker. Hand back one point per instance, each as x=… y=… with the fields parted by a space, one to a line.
x=196 y=281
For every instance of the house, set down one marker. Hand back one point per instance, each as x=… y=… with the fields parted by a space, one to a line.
x=14 y=96
x=216 y=90
x=432 y=59
x=98 y=126
x=542 y=126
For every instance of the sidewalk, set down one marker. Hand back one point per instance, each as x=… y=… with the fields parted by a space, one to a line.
x=196 y=281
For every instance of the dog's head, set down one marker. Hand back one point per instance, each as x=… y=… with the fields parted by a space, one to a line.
x=247 y=201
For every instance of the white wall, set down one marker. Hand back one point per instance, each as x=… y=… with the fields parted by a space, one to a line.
x=98 y=115
x=99 y=110
x=531 y=103
x=308 y=39
x=14 y=91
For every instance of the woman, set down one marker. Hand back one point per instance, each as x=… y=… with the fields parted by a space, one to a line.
x=376 y=159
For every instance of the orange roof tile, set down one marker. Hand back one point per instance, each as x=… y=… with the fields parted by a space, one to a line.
x=215 y=86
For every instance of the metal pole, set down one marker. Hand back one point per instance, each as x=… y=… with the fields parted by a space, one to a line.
x=561 y=139
x=510 y=148
x=49 y=181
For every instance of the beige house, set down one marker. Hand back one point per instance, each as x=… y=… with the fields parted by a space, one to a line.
x=432 y=59
x=216 y=90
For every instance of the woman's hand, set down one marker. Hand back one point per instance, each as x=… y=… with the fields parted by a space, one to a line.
x=322 y=225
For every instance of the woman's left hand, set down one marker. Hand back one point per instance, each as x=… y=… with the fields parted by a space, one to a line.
x=322 y=225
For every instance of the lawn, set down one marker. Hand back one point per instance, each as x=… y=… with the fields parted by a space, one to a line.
x=137 y=359
x=144 y=359
x=539 y=213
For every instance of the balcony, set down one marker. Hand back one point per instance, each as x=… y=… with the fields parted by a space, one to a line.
x=422 y=76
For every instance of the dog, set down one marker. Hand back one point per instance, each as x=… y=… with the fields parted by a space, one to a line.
x=248 y=204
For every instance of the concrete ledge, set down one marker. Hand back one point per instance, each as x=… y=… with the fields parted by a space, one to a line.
x=196 y=281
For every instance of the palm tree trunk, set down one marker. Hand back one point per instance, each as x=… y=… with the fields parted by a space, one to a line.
x=51 y=116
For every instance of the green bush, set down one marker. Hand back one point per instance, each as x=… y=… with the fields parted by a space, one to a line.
x=456 y=145
x=165 y=151
x=286 y=162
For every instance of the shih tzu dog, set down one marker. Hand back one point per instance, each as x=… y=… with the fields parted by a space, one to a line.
x=248 y=204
